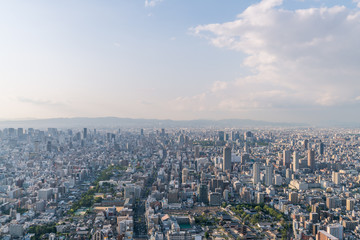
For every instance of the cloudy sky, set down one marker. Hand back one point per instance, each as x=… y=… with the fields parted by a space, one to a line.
x=272 y=60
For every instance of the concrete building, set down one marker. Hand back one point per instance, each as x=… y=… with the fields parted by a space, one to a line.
x=256 y=173
x=214 y=199
x=336 y=230
x=227 y=158
x=311 y=159
x=296 y=166
x=268 y=175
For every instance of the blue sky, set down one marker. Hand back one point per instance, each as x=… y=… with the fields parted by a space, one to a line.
x=177 y=59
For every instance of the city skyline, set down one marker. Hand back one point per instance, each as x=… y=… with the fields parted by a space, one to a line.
x=270 y=60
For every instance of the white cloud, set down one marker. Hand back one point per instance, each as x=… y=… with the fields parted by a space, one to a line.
x=299 y=58
x=357 y=3
x=152 y=3
x=218 y=86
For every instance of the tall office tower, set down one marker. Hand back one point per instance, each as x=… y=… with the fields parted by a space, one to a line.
x=336 y=177
x=306 y=144
x=295 y=161
x=48 y=146
x=350 y=203
x=286 y=158
x=256 y=173
x=85 y=133
x=246 y=148
x=36 y=145
x=162 y=132
x=197 y=151
x=268 y=175
x=321 y=148
x=311 y=159
x=203 y=193
x=20 y=132
x=233 y=138
x=185 y=174
x=181 y=139
x=221 y=136
x=227 y=158
x=142 y=132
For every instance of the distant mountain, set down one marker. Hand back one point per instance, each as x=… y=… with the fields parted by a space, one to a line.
x=114 y=122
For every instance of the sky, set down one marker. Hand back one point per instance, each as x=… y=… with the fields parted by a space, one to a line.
x=271 y=60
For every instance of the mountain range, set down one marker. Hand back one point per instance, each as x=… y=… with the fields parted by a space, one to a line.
x=115 y=122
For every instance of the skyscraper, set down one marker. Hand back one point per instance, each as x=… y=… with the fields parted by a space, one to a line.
x=85 y=133
x=203 y=193
x=256 y=173
x=286 y=158
x=321 y=148
x=295 y=161
x=311 y=159
x=336 y=177
x=268 y=174
x=197 y=151
x=221 y=136
x=306 y=144
x=226 y=158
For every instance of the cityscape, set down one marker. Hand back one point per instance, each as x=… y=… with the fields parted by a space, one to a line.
x=180 y=183
x=179 y=120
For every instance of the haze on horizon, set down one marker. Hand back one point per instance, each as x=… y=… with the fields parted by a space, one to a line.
x=270 y=60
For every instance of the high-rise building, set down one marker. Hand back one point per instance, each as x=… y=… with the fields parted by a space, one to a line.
x=350 y=203
x=286 y=158
x=48 y=146
x=185 y=173
x=293 y=198
x=20 y=132
x=245 y=157
x=322 y=235
x=221 y=136
x=314 y=217
x=336 y=230
x=85 y=133
x=233 y=136
x=311 y=159
x=295 y=161
x=336 y=178
x=268 y=175
x=321 y=148
x=260 y=197
x=256 y=173
x=227 y=158
x=331 y=202
x=306 y=144
x=203 y=193
x=214 y=199
x=197 y=151
x=288 y=174
x=248 y=135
